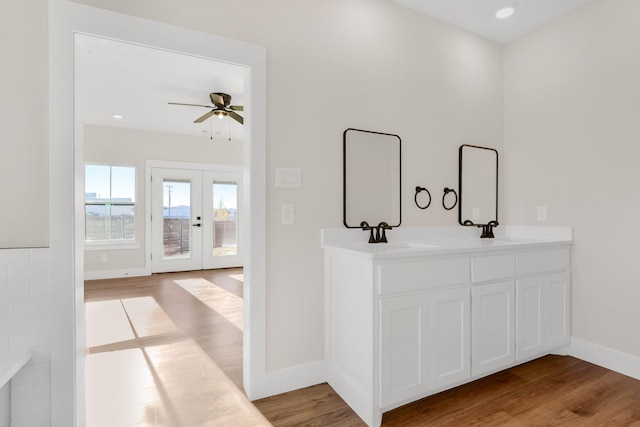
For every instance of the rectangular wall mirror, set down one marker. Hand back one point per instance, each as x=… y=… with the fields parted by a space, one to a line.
x=478 y=185
x=371 y=178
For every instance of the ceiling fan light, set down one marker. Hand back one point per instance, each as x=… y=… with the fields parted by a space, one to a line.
x=505 y=12
x=220 y=114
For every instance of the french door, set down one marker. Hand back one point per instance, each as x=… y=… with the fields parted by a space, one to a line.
x=195 y=219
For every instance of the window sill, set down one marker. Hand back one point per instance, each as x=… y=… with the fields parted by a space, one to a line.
x=110 y=246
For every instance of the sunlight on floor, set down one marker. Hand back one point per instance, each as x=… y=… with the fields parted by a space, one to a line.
x=222 y=301
x=106 y=323
x=118 y=385
x=143 y=370
x=146 y=317
x=173 y=385
x=238 y=277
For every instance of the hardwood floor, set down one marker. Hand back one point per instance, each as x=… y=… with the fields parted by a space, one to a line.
x=166 y=350
x=550 y=391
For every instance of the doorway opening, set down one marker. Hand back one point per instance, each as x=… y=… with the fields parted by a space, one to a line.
x=252 y=160
x=69 y=19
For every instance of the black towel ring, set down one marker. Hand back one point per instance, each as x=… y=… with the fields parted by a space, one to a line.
x=418 y=191
x=447 y=191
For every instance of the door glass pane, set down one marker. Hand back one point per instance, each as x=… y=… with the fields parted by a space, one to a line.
x=176 y=217
x=225 y=218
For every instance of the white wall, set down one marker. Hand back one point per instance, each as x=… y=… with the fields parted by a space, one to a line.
x=332 y=65
x=120 y=146
x=572 y=132
x=24 y=213
x=24 y=184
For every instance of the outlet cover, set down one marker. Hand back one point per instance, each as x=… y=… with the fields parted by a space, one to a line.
x=542 y=213
x=287 y=214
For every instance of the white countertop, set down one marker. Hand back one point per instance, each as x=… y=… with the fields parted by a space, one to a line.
x=419 y=241
x=11 y=364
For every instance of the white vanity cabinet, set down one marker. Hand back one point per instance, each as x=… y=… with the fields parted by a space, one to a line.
x=492 y=312
x=424 y=310
x=407 y=320
x=493 y=323
x=424 y=343
x=542 y=302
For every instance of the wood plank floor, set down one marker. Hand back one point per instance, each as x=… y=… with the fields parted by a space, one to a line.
x=166 y=350
x=550 y=391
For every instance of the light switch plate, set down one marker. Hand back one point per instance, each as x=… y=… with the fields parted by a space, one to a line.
x=288 y=178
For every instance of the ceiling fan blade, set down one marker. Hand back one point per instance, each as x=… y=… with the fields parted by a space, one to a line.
x=236 y=117
x=190 y=105
x=204 y=117
x=236 y=107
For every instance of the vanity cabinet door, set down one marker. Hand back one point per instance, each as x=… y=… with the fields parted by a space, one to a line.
x=492 y=327
x=403 y=348
x=424 y=343
x=530 y=318
x=449 y=351
x=543 y=314
x=558 y=310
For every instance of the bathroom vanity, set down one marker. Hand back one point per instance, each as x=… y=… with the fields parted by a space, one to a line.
x=437 y=307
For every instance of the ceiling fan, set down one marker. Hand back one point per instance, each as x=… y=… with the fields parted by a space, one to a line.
x=221 y=108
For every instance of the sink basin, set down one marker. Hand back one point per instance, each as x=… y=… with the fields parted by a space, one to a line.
x=446 y=244
x=419 y=245
x=400 y=245
x=396 y=246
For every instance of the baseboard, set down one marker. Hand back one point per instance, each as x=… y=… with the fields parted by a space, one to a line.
x=115 y=274
x=607 y=358
x=292 y=378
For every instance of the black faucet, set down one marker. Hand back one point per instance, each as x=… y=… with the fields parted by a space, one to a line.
x=366 y=227
x=487 y=230
x=380 y=235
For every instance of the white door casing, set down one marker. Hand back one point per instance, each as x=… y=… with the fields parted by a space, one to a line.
x=67 y=18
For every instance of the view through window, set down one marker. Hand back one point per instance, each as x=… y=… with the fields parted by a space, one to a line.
x=109 y=199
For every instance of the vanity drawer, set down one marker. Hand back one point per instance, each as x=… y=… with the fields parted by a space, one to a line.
x=410 y=276
x=494 y=267
x=541 y=261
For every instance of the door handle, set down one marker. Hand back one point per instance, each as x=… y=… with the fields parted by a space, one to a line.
x=197 y=225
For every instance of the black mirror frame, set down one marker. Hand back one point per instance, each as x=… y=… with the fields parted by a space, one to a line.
x=344 y=177
x=469 y=222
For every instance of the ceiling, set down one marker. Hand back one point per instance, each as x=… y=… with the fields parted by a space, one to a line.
x=137 y=82
x=478 y=16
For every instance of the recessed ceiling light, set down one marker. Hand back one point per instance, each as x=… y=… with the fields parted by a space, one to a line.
x=117 y=116
x=505 y=12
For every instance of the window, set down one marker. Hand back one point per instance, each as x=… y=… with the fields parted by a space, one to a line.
x=109 y=203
